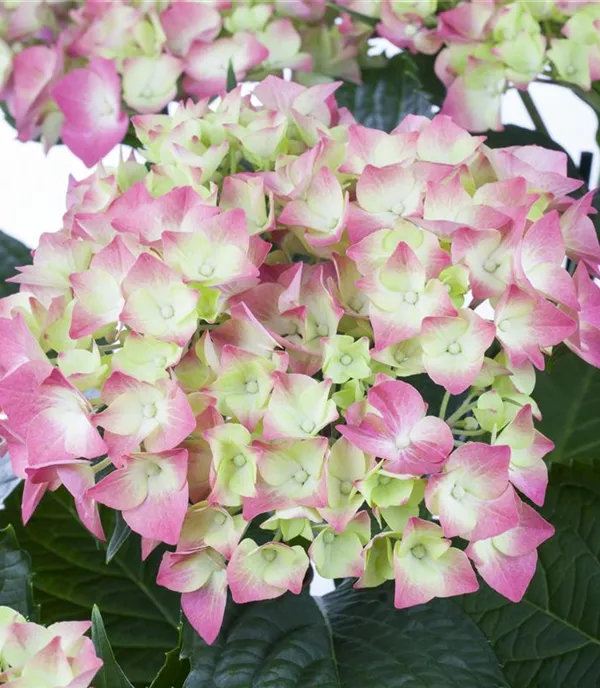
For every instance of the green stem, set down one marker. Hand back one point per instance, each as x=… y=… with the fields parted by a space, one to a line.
x=109 y=348
x=364 y=18
x=536 y=118
x=494 y=434
x=469 y=433
x=101 y=465
x=465 y=407
x=444 y=405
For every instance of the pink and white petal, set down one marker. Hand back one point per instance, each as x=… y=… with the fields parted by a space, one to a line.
x=160 y=516
x=510 y=576
x=124 y=488
x=205 y=608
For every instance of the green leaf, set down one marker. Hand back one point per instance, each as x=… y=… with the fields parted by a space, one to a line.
x=428 y=646
x=174 y=671
x=118 y=538
x=386 y=95
x=568 y=394
x=348 y=639
x=281 y=643
x=12 y=255
x=15 y=575
x=430 y=84
x=111 y=675
x=552 y=638
x=231 y=78
x=71 y=576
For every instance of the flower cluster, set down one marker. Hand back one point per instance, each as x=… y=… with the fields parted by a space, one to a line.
x=485 y=46
x=226 y=344
x=32 y=656
x=74 y=70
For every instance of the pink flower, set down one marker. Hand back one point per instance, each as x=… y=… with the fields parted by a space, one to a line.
x=426 y=566
x=397 y=430
x=207 y=63
x=508 y=561
x=526 y=324
x=585 y=341
x=454 y=348
x=151 y=491
x=201 y=578
x=51 y=415
x=526 y=470
x=90 y=100
x=263 y=573
x=158 y=415
x=472 y=496
x=400 y=298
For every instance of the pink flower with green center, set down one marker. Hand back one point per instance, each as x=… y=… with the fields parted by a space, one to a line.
x=526 y=324
x=159 y=415
x=427 y=566
x=158 y=303
x=262 y=573
x=299 y=408
x=233 y=469
x=400 y=298
x=454 y=348
x=340 y=554
x=291 y=472
x=35 y=656
x=397 y=429
x=472 y=496
x=151 y=491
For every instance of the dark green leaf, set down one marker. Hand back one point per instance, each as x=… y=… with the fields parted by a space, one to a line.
x=552 y=638
x=428 y=646
x=386 y=95
x=15 y=574
x=430 y=84
x=348 y=639
x=568 y=394
x=119 y=535
x=71 y=576
x=174 y=671
x=231 y=78
x=282 y=643
x=12 y=255
x=513 y=135
x=111 y=675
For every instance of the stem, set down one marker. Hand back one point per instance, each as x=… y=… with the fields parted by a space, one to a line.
x=469 y=433
x=101 y=465
x=465 y=407
x=494 y=434
x=444 y=405
x=538 y=122
x=364 y=18
x=108 y=348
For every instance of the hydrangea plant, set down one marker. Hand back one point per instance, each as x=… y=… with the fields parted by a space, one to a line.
x=122 y=58
x=232 y=343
